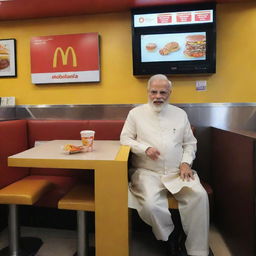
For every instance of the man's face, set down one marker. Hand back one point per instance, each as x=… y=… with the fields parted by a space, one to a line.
x=159 y=94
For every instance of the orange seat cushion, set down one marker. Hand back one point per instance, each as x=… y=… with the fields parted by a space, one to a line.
x=79 y=198
x=24 y=191
x=61 y=185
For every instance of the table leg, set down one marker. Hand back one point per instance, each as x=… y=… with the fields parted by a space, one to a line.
x=111 y=209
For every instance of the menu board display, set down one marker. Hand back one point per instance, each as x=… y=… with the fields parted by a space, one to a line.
x=173 y=47
x=173 y=18
x=175 y=39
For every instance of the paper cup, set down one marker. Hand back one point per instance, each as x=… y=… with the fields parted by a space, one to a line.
x=87 y=137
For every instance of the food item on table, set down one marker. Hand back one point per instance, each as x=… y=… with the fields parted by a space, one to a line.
x=4 y=57
x=168 y=48
x=195 y=46
x=71 y=149
x=151 y=47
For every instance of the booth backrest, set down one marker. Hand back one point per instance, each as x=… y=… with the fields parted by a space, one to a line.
x=13 y=139
x=106 y=129
x=44 y=130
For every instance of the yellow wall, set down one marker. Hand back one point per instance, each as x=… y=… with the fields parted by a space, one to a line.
x=235 y=80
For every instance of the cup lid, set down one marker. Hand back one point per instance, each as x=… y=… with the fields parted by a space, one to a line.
x=87 y=132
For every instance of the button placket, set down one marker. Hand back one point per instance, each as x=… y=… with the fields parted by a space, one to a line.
x=163 y=142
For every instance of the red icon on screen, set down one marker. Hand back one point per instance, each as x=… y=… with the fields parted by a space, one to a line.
x=184 y=17
x=164 y=18
x=203 y=16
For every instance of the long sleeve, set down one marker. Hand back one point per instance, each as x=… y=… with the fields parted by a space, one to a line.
x=188 y=145
x=129 y=136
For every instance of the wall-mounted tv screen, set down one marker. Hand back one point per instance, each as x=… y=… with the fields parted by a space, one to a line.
x=174 y=39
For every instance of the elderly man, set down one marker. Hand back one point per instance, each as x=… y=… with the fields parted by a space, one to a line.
x=163 y=148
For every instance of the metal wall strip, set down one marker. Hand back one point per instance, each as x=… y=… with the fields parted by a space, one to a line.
x=222 y=115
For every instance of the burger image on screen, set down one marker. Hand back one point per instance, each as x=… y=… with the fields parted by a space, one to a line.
x=4 y=57
x=151 y=47
x=195 y=46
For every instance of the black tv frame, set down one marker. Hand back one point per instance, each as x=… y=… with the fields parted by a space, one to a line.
x=207 y=66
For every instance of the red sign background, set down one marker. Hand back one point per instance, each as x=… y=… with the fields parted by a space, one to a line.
x=85 y=46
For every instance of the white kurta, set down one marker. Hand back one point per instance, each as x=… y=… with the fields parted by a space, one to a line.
x=168 y=131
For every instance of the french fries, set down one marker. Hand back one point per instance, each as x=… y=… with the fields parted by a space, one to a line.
x=71 y=149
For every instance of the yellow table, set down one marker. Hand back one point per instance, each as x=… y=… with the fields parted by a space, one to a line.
x=110 y=162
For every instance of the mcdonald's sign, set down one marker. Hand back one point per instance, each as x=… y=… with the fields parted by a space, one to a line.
x=65 y=58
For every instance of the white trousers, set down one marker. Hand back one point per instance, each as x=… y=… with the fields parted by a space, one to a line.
x=150 y=190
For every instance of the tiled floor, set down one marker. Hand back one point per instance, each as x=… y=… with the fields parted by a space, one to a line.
x=63 y=242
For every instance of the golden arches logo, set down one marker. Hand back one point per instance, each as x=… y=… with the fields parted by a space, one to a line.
x=64 y=56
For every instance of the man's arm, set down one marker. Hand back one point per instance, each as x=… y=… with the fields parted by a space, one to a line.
x=129 y=136
x=189 y=150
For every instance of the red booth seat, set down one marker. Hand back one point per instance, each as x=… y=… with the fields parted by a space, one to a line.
x=19 y=135
x=13 y=139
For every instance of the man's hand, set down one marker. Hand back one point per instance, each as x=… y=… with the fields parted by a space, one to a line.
x=185 y=172
x=152 y=153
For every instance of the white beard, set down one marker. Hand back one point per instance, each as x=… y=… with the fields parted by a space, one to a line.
x=157 y=108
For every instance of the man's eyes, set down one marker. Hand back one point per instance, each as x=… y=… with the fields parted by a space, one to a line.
x=160 y=92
